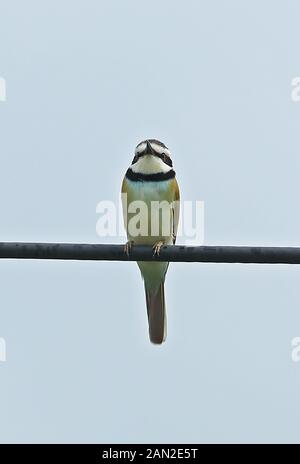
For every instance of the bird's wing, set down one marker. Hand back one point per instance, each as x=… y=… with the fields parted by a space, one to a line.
x=175 y=209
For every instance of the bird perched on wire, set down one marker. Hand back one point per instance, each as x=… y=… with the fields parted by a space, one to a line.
x=150 y=187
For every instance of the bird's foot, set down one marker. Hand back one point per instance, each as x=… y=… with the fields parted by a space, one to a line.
x=156 y=247
x=128 y=246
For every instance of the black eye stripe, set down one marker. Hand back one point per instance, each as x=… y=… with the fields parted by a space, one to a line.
x=136 y=157
x=167 y=160
x=163 y=156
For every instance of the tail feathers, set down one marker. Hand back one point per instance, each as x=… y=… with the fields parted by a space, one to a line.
x=157 y=318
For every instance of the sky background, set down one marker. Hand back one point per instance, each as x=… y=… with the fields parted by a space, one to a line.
x=86 y=81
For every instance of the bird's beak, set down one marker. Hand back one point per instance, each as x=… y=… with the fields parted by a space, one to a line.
x=149 y=149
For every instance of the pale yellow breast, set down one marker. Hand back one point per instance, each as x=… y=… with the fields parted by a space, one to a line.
x=149 y=212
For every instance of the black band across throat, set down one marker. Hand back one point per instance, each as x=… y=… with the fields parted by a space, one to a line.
x=138 y=176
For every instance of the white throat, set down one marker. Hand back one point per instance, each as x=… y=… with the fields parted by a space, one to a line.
x=150 y=164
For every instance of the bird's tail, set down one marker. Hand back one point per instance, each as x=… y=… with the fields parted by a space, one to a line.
x=157 y=317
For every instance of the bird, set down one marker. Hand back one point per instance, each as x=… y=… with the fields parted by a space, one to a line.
x=150 y=181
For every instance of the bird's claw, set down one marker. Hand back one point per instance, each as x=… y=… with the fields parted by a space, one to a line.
x=156 y=247
x=128 y=247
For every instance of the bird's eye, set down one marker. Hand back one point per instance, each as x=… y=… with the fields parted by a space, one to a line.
x=166 y=159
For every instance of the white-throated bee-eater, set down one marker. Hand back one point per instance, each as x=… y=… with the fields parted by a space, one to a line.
x=150 y=187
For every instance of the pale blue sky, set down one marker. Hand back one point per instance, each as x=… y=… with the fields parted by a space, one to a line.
x=86 y=81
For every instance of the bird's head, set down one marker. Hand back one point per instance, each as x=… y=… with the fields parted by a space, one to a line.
x=151 y=154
